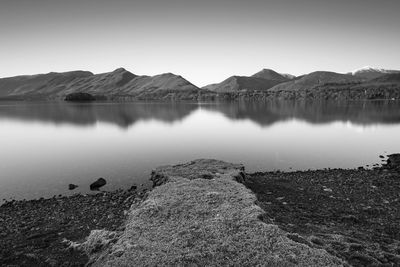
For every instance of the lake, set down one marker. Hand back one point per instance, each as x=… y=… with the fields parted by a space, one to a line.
x=46 y=146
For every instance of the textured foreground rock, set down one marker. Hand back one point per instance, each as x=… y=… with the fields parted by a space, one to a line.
x=200 y=215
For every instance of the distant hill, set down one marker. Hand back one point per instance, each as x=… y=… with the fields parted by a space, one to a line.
x=166 y=81
x=314 y=79
x=287 y=75
x=100 y=84
x=238 y=83
x=271 y=75
x=118 y=84
x=334 y=86
x=43 y=84
x=167 y=85
x=260 y=81
x=372 y=73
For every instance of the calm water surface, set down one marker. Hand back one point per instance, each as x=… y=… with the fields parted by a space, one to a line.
x=46 y=146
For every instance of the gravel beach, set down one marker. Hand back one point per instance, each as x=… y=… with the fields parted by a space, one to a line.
x=353 y=214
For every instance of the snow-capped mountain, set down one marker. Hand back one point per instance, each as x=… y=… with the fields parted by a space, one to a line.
x=371 y=73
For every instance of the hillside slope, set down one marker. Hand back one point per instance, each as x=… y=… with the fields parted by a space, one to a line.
x=387 y=78
x=314 y=79
x=238 y=83
x=40 y=84
x=100 y=84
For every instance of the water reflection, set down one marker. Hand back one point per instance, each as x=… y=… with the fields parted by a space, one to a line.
x=121 y=114
x=46 y=146
x=125 y=115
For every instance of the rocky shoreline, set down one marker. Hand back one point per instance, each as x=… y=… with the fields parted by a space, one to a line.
x=38 y=232
x=354 y=215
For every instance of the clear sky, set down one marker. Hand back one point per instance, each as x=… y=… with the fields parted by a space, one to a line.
x=205 y=41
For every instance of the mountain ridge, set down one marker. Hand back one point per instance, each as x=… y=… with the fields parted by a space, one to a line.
x=121 y=84
x=371 y=72
x=269 y=74
x=314 y=79
x=260 y=81
x=56 y=86
x=238 y=83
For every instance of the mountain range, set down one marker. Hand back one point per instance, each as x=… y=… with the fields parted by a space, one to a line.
x=120 y=84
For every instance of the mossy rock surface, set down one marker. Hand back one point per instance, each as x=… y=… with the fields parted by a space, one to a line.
x=200 y=215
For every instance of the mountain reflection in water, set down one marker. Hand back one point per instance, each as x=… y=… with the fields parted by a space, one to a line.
x=47 y=145
x=263 y=113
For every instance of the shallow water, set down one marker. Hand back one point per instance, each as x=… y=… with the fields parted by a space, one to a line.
x=46 y=146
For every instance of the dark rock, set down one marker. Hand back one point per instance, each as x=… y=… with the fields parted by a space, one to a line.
x=241 y=177
x=350 y=219
x=317 y=241
x=207 y=176
x=51 y=262
x=158 y=178
x=359 y=259
x=133 y=188
x=393 y=162
x=382 y=157
x=356 y=247
x=99 y=183
x=72 y=186
x=394 y=159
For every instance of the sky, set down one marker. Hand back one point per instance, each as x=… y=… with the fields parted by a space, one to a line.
x=204 y=41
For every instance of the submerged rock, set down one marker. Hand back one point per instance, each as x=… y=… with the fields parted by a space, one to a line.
x=99 y=183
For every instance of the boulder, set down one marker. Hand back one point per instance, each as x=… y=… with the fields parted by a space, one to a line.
x=97 y=184
x=393 y=162
x=72 y=186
